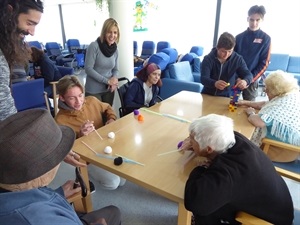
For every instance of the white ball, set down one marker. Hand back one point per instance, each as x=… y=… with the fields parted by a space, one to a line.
x=111 y=135
x=108 y=150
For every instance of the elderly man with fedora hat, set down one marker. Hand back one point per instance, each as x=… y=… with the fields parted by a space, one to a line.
x=32 y=146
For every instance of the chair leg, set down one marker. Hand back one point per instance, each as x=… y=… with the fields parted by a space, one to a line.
x=47 y=101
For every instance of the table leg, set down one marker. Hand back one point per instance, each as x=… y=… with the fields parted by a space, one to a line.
x=184 y=216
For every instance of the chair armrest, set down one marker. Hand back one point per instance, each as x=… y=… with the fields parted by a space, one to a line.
x=55 y=96
x=171 y=86
x=68 y=55
x=284 y=171
x=52 y=57
x=269 y=142
x=248 y=219
x=197 y=65
x=196 y=77
x=46 y=101
x=53 y=82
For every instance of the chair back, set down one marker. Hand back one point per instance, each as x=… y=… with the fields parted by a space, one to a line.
x=294 y=64
x=198 y=50
x=194 y=61
x=54 y=52
x=35 y=44
x=161 y=59
x=135 y=48
x=161 y=45
x=53 y=49
x=148 y=48
x=172 y=53
x=73 y=45
x=278 y=61
x=122 y=91
x=30 y=94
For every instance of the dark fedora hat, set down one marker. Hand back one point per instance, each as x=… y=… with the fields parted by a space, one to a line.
x=31 y=144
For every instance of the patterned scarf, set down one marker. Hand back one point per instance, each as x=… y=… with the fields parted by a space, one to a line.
x=107 y=50
x=284 y=114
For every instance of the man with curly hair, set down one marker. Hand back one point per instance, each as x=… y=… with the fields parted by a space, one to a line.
x=18 y=19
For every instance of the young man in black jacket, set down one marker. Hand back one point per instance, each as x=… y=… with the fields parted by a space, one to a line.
x=223 y=69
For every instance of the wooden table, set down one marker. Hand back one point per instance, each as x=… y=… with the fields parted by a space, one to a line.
x=158 y=133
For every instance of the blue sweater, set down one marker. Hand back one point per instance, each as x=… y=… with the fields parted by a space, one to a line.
x=36 y=206
x=135 y=95
x=255 y=47
x=212 y=70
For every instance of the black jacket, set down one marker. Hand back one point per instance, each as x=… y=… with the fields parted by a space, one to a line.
x=243 y=179
x=212 y=70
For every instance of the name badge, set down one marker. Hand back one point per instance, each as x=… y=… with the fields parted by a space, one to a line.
x=257 y=40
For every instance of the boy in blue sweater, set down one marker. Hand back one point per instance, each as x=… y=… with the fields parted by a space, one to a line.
x=255 y=47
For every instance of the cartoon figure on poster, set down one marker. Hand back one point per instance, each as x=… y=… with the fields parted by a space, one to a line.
x=139 y=15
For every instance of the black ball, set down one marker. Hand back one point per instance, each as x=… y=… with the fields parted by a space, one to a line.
x=118 y=161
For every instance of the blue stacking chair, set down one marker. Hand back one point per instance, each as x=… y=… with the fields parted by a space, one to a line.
x=30 y=94
x=161 y=45
x=198 y=50
x=54 y=52
x=135 y=48
x=148 y=49
x=35 y=44
x=172 y=53
x=74 y=47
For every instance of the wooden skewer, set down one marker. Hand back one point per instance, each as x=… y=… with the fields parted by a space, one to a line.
x=165 y=153
x=176 y=118
x=89 y=147
x=98 y=135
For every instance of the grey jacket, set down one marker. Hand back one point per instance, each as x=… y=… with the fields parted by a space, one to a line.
x=99 y=69
x=7 y=104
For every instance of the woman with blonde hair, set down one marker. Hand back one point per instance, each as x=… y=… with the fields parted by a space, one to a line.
x=101 y=63
x=278 y=118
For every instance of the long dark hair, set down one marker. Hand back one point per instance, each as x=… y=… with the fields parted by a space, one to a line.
x=14 y=49
x=36 y=54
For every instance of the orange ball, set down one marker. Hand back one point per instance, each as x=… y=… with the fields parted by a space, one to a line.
x=140 y=118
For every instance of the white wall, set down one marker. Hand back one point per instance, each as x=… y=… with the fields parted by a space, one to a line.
x=281 y=22
x=182 y=23
x=82 y=20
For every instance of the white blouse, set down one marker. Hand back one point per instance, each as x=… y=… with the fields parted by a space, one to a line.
x=148 y=94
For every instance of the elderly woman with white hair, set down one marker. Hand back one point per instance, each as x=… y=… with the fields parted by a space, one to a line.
x=228 y=181
x=278 y=118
